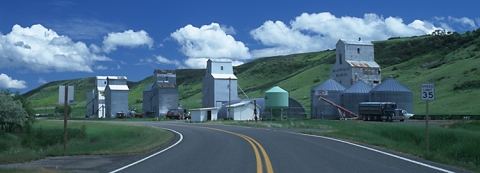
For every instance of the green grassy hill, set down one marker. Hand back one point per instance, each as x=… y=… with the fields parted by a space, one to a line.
x=448 y=61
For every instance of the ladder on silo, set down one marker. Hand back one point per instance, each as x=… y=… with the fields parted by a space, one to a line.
x=339 y=108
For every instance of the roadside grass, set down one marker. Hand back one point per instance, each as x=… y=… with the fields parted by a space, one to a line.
x=84 y=138
x=455 y=144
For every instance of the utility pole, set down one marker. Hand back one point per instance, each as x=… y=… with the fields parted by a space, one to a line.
x=229 y=95
x=65 y=112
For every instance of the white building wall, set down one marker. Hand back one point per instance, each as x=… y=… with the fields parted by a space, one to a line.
x=244 y=112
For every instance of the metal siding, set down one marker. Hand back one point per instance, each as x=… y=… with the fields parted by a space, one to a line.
x=350 y=101
x=329 y=111
x=208 y=99
x=118 y=103
x=334 y=89
x=347 y=73
x=295 y=109
x=403 y=99
x=221 y=91
x=147 y=102
x=108 y=103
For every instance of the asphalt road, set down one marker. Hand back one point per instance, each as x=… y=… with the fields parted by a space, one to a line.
x=221 y=148
x=200 y=147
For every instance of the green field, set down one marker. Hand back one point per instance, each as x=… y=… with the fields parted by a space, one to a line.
x=85 y=138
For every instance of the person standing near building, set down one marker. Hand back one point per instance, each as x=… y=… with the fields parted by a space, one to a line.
x=321 y=113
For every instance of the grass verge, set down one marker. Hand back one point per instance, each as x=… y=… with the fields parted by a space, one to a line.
x=452 y=144
x=85 y=138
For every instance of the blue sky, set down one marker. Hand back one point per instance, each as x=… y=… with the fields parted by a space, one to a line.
x=44 y=41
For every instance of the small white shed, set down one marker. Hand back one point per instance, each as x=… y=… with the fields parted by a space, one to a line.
x=204 y=114
x=242 y=110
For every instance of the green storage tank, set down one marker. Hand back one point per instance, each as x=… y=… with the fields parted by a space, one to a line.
x=276 y=98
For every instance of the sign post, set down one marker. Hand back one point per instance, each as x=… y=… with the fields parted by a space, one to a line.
x=66 y=97
x=428 y=93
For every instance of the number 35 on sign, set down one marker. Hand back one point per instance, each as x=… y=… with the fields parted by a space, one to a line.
x=428 y=91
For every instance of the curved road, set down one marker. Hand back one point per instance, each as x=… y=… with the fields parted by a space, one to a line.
x=221 y=148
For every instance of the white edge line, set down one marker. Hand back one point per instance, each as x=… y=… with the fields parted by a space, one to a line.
x=381 y=152
x=141 y=160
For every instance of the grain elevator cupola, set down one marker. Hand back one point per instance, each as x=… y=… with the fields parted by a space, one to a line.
x=354 y=61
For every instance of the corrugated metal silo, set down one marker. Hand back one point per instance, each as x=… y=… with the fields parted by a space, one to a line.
x=358 y=92
x=393 y=91
x=330 y=90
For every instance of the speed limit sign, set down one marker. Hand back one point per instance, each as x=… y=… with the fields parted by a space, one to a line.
x=428 y=91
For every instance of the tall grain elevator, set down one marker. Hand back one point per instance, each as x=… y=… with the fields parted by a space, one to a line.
x=355 y=61
x=116 y=96
x=162 y=95
x=219 y=85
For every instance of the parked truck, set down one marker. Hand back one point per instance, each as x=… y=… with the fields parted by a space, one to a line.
x=379 y=111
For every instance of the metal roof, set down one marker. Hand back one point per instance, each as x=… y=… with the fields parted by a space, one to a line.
x=223 y=76
x=242 y=103
x=276 y=89
x=391 y=85
x=359 y=87
x=149 y=88
x=356 y=42
x=330 y=85
x=363 y=63
x=118 y=87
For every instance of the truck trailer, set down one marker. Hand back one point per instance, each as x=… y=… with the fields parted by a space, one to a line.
x=379 y=111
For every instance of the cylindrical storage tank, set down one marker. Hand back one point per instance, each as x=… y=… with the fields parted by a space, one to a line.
x=330 y=90
x=391 y=90
x=276 y=99
x=358 y=92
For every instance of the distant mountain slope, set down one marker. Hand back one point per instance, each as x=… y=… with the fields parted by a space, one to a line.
x=448 y=61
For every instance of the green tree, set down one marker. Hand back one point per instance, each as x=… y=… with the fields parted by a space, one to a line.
x=12 y=114
x=60 y=109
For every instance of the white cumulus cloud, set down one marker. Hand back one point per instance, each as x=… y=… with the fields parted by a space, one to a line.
x=163 y=60
x=209 y=41
x=7 y=82
x=320 y=31
x=128 y=38
x=42 y=50
x=464 y=20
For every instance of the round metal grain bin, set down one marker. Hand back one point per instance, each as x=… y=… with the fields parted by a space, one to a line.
x=393 y=91
x=330 y=90
x=358 y=92
x=276 y=99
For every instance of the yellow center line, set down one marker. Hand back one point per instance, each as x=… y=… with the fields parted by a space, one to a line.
x=252 y=142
